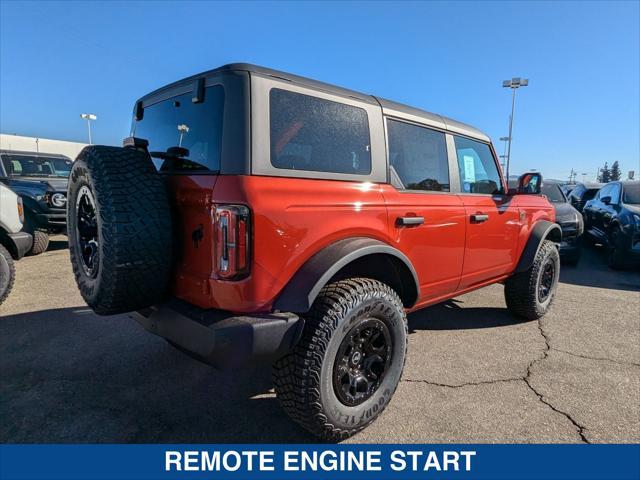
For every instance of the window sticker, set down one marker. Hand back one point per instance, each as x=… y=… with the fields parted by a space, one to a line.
x=469 y=169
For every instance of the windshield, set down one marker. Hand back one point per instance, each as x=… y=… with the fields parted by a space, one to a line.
x=18 y=165
x=631 y=194
x=182 y=135
x=553 y=193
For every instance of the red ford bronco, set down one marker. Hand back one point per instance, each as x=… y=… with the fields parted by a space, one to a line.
x=254 y=215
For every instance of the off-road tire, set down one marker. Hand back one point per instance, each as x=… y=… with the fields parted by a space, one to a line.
x=40 y=242
x=521 y=289
x=303 y=380
x=133 y=229
x=7 y=273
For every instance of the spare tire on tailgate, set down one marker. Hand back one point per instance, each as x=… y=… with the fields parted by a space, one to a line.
x=119 y=228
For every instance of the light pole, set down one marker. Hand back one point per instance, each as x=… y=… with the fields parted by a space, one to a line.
x=504 y=153
x=88 y=117
x=513 y=84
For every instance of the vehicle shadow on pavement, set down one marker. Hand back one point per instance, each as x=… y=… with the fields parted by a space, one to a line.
x=105 y=379
x=58 y=243
x=450 y=316
x=592 y=271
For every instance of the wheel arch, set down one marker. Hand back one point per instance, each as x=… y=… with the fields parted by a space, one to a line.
x=541 y=231
x=359 y=256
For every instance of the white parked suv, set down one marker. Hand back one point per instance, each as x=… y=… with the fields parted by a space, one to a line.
x=13 y=243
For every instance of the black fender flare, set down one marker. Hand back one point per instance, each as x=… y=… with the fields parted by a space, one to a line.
x=303 y=288
x=540 y=232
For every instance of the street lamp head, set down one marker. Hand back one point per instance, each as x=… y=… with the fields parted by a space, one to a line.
x=515 y=82
x=88 y=116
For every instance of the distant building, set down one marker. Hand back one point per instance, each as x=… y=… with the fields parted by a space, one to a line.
x=42 y=145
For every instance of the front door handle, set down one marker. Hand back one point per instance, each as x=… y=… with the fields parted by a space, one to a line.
x=409 y=221
x=479 y=217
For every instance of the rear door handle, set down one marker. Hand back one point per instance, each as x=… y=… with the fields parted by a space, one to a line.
x=479 y=217
x=408 y=221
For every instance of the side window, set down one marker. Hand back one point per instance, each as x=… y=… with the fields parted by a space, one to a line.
x=310 y=133
x=615 y=193
x=603 y=192
x=478 y=169
x=418 y=157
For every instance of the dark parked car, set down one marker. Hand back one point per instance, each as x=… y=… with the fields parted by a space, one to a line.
x=613 y=219
x=582 y=193
x=41 y=181
x=570 y=221
x=567 y=188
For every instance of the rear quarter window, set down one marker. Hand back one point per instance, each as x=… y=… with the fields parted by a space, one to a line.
x=313 y=134
x=178 y=122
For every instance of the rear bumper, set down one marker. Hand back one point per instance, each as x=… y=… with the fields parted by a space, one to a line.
x=220 y=338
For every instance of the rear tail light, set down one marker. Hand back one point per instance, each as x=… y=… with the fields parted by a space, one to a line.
x=20 y=210
x=232 y=244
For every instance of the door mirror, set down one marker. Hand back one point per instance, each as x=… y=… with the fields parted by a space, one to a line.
x=529 y=184
x=606 y=200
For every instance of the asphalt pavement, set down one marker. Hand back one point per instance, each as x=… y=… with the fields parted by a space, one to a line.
x=474 y=373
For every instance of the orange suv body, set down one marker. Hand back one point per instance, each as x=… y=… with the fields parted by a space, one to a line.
x=470 y=232
x=295 y=222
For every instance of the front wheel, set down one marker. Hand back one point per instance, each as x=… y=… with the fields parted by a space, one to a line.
x=616 y=248
x=7 y=273
x=40 y=242
x=530 y=294
x=348 y=363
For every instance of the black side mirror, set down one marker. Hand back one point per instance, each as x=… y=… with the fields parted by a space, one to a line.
x=529 y=183
x=606 y=200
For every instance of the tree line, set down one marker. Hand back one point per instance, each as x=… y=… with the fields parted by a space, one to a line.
x=607 y=174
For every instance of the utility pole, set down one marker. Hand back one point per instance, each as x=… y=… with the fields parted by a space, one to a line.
x=513 y=84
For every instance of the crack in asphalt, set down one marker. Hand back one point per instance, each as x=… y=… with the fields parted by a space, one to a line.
x=527 y=380
x=467 y=384
x=602 y=359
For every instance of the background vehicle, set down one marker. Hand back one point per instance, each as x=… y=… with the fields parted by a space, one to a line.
x=305 y=229
x=13 y=243
x=569 y=219
x=567 y=188
x=613 y=218
x=41 y=180
x=582 y=193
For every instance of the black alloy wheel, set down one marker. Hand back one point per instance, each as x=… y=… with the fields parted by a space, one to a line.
x=87 y=231
x=547 y=279
x=362 y=361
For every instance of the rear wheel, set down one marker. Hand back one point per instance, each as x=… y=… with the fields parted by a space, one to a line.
x=347 y=365
x=7 y=273
x=119 y=228
x=530 y=294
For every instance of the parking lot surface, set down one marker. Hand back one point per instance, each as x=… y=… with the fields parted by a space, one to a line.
x=474 y=373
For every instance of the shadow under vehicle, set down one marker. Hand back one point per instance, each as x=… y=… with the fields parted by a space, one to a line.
x=41 y=181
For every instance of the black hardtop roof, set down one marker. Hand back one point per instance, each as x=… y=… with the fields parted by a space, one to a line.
x=447 y=123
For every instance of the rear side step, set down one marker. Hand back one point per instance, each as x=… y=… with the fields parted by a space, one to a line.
x=221 y=339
